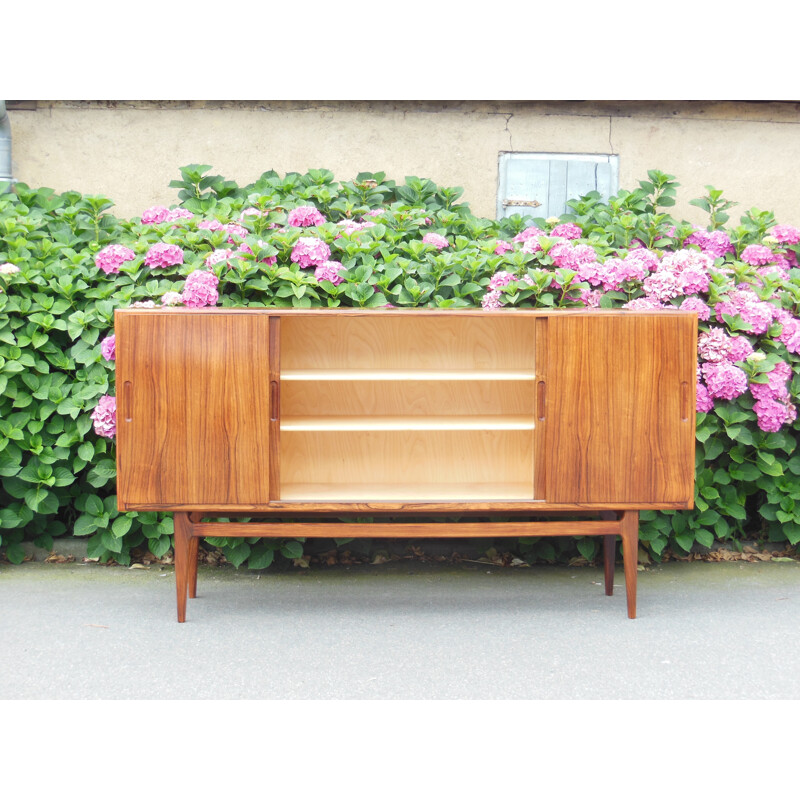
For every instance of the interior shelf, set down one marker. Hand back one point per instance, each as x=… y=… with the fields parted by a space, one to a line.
x=409 y=423
x=405 y=375
x=408 y=492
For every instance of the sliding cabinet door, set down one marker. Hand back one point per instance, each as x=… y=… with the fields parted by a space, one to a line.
x=192 y=408
x=620 y=408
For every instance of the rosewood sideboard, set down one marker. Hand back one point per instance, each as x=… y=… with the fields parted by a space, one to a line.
x=563 y=423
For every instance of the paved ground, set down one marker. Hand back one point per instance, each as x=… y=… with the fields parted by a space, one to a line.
x=400 y=631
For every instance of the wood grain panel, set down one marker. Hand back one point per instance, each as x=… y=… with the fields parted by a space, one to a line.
x=616 y=432
x=194 y=427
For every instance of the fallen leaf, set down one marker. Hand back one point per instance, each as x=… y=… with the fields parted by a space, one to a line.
x=138 y=566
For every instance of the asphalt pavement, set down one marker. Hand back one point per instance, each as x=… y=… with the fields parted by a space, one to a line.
x=401 y=630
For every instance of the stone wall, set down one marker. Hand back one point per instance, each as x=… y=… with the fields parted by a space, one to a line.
x=129 y=151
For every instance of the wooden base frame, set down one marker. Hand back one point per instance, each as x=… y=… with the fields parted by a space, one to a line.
x=189 y=528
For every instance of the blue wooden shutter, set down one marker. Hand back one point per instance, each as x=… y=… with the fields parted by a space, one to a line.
x=540 y=184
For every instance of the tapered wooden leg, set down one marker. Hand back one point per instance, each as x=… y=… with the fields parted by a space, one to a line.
x=183 y=539
x=629 y=530
x=193 y=550
x=609 y=544
x=192 y=566
x=609 y=548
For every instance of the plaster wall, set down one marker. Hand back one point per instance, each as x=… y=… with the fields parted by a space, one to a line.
x=129 y=151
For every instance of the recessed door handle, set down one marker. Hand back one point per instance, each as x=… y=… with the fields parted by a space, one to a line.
x=541 y=397
x=274 y=401
x=127 y=400
x=685 y=401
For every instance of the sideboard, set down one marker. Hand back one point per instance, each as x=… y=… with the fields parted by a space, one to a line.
x=562 y=423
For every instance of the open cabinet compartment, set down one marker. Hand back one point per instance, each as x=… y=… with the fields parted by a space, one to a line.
x=372 y=408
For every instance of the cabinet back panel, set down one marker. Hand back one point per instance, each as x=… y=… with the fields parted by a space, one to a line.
x=193 y=422
x=406 y=343
x=407 y=398
x=407 y=457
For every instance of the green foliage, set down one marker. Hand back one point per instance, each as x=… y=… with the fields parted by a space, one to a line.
x=58 y=475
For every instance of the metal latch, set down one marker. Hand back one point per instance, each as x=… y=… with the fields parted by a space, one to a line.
x=521 y=202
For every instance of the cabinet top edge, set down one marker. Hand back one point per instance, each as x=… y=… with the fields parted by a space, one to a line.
x=402 y=312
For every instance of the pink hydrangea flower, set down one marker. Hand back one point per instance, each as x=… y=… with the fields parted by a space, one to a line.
x=696 y=304
x=713 y=345
x=499 y=279
x=744 y=303
x=200 y=289
x=310 y=252
x=716 y=243
x=758 y=316
x=644 y=304
x=757 y=255
x=11 y=269
x=439 y=242
x=662 y=285
x=171 y=298
x=235 y=230
x=112 y=256
x=143 y=304
x=502 y=247
x=590 y=298
x=164 y=255
x=154 y=215
x=329 y=271
x=569 y=256
x=704 y=400
x=693 y=280
x=210 y=225
x=775 y=388
x=108 y=348
x=790 y=330
x=105 y=416
x=786 y=234
x=492 y=299
x=350 y=227
x=593 y=272
x=567 y=230
x=724 y=380
x=218 y=257
x=528 y=233
x=375 y=212
x=305 y=217
x=531 y=245
x=773 y=414
x=641 y=262
x=179 y=213
x=252 y=212
x=780 y=267
x=739 y=348
x=614 y=272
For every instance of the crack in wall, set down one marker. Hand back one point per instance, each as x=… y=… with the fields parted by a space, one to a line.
x=509 y=117
x=610 y=143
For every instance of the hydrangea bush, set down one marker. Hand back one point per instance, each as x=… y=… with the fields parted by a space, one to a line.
x=306 y=240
